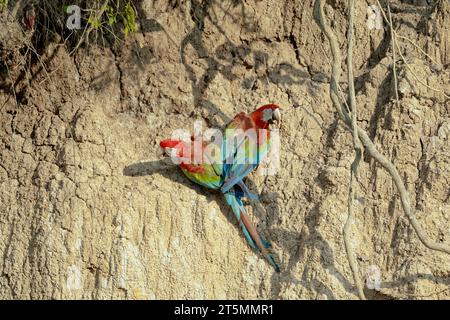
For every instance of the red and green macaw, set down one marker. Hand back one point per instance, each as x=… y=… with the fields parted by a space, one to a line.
x=246 y=143
x=228 y=162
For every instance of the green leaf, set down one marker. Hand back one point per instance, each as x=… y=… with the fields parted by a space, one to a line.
x=129 y=18
x=94 y=22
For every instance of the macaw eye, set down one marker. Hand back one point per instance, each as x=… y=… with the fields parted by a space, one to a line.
x=267 y=115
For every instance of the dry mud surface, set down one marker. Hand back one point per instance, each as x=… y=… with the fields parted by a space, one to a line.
x=88 y=208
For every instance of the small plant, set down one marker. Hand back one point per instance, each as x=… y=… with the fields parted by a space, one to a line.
x=94 y=22
x=113 y=13
x=129 y=18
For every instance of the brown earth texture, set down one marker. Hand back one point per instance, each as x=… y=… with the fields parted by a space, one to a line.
x=89 y=209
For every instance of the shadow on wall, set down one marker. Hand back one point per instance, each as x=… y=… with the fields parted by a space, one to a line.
x=219 y=62
x=222 y=61
x=24 y=58
x=283 y=74
x=172 y=172
x=229 y=55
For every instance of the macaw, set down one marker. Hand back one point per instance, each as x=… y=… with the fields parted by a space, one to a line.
x=214 y=172
x=246 y=143
x=208 y=173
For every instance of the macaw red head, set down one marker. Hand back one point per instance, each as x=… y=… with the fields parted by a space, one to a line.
x=184 y=154
x=184 y=151
x=172 y=148
x=265 y=115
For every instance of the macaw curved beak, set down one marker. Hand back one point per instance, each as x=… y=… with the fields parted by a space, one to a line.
x=277 y=114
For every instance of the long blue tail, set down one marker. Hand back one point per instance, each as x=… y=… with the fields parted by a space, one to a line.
x=256 y=241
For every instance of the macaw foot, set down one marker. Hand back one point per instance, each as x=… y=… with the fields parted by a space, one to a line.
x=247 y=193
